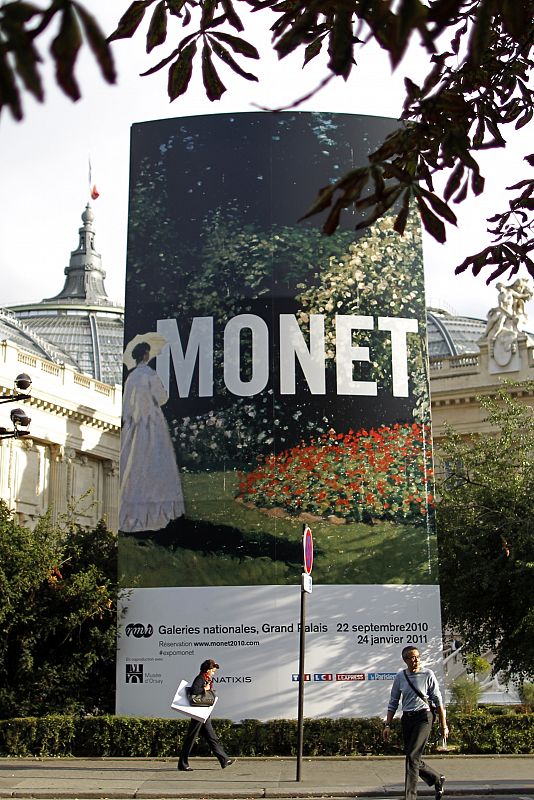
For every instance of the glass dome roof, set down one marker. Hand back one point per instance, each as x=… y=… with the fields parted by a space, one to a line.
x=452 y=335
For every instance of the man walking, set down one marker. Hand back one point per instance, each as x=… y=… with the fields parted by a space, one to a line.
x=421 y=698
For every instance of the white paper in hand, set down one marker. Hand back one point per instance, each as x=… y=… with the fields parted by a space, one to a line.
x=181 y=703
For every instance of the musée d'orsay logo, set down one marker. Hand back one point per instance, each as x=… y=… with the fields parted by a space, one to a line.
x=134 y=673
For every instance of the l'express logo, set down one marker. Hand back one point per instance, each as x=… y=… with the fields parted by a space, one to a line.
x=293 y=348
x=139 y=631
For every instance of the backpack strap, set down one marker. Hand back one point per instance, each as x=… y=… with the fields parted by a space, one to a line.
x=417 y=692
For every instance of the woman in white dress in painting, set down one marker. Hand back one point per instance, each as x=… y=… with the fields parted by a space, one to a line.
x=151 y=490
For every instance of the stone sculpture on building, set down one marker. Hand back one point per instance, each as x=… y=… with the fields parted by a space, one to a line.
x=506 y=322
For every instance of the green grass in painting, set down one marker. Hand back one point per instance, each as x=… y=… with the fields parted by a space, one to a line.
x=221 y=542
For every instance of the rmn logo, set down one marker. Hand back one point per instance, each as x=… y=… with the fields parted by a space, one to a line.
x=139 y=631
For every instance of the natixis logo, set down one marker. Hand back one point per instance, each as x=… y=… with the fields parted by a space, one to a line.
x=139 y=631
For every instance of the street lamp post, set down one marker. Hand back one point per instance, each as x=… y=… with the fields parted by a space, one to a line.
x=19 y=419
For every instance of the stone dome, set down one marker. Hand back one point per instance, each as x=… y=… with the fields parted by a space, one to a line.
x=81 y=320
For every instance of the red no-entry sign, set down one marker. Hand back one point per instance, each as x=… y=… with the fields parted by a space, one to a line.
x=307 y=544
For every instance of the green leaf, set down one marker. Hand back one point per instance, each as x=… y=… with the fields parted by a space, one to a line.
x=130 y=20
x=332 y=221
x=98 y=44
x=524 y=120
x=20 y=11
x=296 y=34
x=157 y=30
x=478 y=138
x=340 y=46
x=180 y=72
x=479 y=40
x=64 y=49
x=312 y=50
x=175 y=7
x=517 y=17
x=379 y=207
x=322 y=201
x=9 y=94
x=237 y=44
x=454 y=181
x=208 y=11
x=20 y=43
x=462 y=194
x=433 y=225
x=402 y=217
x=231 y=15
x=477 y=183
x=438 y=205
x=228 y=59
x=215 y=88
x=412 y=16
x=443 y=12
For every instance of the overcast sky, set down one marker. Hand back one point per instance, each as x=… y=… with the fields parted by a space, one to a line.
x=44 y=164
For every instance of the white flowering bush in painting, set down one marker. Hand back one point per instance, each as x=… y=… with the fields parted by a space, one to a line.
x=380 y=275
x=239 y=434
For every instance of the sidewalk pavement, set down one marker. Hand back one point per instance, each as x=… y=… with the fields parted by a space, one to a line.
x=151 y=778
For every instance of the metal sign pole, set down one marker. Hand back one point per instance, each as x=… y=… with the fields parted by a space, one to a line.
x=300 y=717
x=305 y=588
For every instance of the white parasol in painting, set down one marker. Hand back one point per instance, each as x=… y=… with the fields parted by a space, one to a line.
x=155 y=341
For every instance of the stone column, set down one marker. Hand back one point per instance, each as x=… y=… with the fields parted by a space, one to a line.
x=110 y=504
x=58 y=482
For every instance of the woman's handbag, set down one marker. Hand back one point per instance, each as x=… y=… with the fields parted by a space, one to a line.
x=206 y=698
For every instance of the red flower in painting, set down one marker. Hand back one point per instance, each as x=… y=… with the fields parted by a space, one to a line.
x=385 y=473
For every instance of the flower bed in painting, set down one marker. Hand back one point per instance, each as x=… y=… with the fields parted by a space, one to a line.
x=383 y=473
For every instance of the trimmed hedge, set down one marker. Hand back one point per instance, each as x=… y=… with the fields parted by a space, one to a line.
x=109 y=736
x=495 y=733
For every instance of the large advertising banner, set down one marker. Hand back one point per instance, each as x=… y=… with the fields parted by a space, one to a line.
x=274 y=377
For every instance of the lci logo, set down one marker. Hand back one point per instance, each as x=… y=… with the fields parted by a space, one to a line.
x=323 y=676
x=134 y=673
x=138 y=630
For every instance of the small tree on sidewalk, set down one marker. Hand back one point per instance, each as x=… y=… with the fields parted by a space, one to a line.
x=476 y=665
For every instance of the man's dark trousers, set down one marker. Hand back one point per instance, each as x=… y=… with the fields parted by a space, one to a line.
x=205 y=730
x=416 y=727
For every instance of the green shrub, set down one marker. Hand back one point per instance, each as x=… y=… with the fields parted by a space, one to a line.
x=481 y=733
x=38 y=736
x=465 y=694
x=110 y=736
x=526 y=693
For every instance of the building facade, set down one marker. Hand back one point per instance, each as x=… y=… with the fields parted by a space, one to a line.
x=71 y=347
x=470 y=358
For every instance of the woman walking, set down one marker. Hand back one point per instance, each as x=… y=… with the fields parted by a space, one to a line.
x=203 y=683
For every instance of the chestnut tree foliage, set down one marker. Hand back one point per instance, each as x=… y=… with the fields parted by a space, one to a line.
x=478 y=84
x=58 y=617
x=486 y=534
